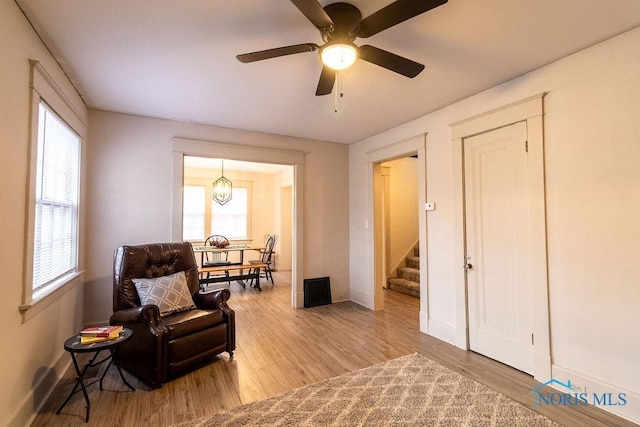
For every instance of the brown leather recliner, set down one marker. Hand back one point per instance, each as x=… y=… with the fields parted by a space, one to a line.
x=163 y=347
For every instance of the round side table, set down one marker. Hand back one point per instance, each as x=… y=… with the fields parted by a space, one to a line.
x=73 y=346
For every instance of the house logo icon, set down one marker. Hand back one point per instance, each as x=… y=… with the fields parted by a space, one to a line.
x=539 y=397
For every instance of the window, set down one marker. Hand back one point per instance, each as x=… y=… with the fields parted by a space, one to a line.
x=193 y=212
x=55 y=242
x=231 y=219
x=202 y=217
x=58 y=125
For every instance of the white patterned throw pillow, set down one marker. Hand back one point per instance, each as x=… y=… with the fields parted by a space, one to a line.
x=170 y=293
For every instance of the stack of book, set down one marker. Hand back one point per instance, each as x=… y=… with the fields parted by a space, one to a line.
x=100 y=333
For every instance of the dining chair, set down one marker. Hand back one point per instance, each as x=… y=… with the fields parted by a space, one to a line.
x=215 y=259
x=266 y=257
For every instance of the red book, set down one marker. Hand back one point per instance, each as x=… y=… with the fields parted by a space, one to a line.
x=102 y=331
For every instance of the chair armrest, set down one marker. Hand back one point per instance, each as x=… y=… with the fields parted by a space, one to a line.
x=216 y=300
x=148 y=315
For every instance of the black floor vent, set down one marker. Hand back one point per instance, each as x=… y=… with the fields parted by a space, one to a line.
x=317 y=292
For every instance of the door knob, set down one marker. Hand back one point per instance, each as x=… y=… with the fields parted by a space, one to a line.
x=468 y=266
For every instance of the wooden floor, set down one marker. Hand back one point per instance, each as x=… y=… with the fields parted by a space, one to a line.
x=281 y=348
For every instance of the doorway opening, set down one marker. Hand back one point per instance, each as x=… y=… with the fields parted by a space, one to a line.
x=411 y=150
x=400 y=234
x=260 y=204
x=256 y=157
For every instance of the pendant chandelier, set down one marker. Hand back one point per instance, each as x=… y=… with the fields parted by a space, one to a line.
x=222 y=189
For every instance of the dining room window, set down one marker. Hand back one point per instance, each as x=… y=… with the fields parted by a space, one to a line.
x=203 y=217
x=231 y=219
x=194 y=210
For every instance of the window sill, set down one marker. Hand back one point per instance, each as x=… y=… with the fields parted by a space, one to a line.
x=43 y=298
x=240 y=241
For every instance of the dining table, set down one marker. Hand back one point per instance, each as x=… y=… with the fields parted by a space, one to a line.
x=240 y=278
x=230 y=248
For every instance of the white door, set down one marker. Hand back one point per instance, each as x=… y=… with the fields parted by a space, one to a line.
x=497 y=246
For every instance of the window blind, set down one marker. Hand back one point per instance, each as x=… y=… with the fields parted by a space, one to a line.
x=57 y=189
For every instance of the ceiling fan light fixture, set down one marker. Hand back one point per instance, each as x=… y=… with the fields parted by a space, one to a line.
x=340 y=24
x=339 y=55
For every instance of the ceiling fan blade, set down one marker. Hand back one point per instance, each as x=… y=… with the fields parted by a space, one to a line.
x=393 y=14
x=314 y=13
x=327 y=78
x=276 y=52
x=390 y=61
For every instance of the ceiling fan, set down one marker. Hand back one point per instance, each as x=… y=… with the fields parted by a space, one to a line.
x=339 y=25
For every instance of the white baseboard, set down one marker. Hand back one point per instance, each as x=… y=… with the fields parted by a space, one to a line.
x=584 y=383
x=442 y=331
x=32 y=403
x=362 y=298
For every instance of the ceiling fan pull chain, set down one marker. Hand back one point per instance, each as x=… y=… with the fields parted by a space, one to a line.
x=339 y=93
x=335 y=97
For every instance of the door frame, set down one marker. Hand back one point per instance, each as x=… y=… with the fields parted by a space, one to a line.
x=529 y=110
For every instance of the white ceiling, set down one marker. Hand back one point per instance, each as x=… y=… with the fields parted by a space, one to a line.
x=176 y=59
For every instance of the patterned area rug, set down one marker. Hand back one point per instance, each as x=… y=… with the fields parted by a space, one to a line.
x=409 y=391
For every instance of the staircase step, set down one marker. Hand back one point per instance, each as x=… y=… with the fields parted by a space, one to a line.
x=408 y=273
x=412 y=262
x=405 y=286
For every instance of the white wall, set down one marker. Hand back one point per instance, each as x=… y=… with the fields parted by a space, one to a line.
x=32 y=356
x=592 y=155
x=130 y=189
